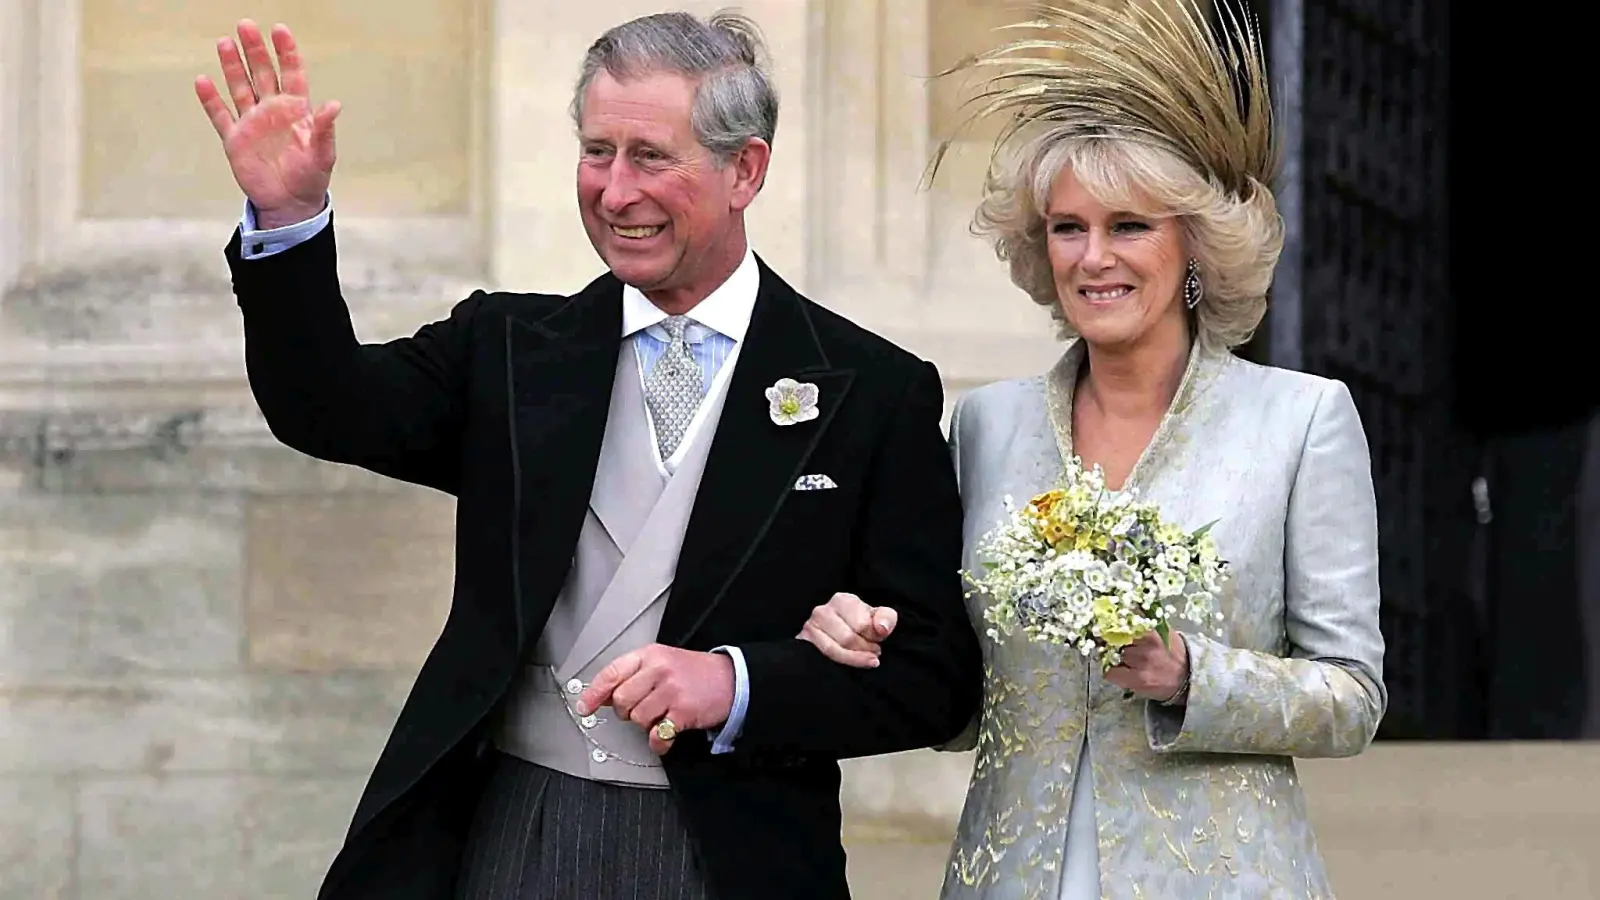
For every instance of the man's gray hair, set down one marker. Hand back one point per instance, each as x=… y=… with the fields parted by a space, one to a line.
x=734 y=101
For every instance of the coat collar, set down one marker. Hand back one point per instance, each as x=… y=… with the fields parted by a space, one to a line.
x=1061 y=384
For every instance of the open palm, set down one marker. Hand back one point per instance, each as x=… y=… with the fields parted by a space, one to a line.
x=280 y=147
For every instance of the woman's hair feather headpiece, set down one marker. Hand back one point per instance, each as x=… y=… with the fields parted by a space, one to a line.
x=1162 y=72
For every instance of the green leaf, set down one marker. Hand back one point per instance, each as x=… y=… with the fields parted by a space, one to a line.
x=1200 y=532
x=1165 y=632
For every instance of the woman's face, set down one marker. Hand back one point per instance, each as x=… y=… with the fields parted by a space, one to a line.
x=1118 y=274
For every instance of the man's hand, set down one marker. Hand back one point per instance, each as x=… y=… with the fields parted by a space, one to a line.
x=694 y=690
x=280 y=147
x=848 y=631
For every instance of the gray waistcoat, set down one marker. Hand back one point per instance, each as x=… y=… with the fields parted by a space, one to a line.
x=614 y=596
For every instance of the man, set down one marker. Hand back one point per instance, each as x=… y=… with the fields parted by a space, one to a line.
x=657 y=478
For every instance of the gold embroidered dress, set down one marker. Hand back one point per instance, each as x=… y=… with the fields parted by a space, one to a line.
x=1202 y=801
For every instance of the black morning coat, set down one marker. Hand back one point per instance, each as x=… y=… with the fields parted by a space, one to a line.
x=503 y=405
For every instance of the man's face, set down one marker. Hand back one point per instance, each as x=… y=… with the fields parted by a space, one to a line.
x=660 y=211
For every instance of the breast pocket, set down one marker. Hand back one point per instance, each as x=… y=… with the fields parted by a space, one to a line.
x=814 y=482
x=818 y=515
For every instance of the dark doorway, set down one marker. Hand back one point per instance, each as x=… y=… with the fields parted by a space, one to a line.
x=1364 y=296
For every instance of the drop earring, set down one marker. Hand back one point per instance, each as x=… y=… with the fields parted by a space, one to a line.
x=1193 y=290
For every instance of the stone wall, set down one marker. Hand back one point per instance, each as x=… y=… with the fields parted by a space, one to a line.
x=204 y=636
x=204 y=639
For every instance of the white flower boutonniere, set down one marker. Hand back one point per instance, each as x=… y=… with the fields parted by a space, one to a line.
x=791 y=402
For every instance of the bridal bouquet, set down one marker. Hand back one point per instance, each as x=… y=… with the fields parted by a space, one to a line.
x=1095 y=570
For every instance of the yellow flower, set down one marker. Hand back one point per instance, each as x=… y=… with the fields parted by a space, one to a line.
x=1054 y=533
x=1045 y=504
x=1113 y=630
x=1049 y=514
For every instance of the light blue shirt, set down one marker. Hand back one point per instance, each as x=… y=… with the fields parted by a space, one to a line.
x=709 y=347
x=255 y=244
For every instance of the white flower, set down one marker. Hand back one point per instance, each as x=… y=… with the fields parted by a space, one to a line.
x=1171 y=582
x=1124 y=576
x=1077 y=560
x=792 y=402
x=1096 y=577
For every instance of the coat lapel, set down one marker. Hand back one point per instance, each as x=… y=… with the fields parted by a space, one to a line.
x=753 y=462
x=559 y=373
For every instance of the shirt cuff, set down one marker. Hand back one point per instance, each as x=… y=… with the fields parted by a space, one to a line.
x=255 y=244
x=723 y=738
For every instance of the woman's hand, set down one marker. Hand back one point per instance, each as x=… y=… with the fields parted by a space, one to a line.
x=1153 y=669
x=848 y=631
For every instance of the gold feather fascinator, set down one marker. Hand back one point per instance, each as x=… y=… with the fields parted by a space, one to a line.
x=1162 y=72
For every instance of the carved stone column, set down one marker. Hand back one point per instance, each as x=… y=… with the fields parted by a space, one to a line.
x=884 y=251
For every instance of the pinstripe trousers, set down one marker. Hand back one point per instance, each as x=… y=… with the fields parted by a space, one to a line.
x=540 y=834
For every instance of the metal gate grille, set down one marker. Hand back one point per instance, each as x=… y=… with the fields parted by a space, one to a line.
x=1375 y=312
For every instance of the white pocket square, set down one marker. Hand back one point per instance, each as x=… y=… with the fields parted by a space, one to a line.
x=814 y=483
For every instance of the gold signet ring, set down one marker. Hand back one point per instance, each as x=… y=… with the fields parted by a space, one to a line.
x=665 y=730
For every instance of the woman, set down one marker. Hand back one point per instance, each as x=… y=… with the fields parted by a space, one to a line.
x=1136 y=208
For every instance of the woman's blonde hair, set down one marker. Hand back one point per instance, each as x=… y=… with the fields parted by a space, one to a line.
x=1235 y=242
x=1157 y=108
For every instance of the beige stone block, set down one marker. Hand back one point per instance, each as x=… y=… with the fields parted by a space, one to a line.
x=36 y=840
x=140 y=725
x=174 y=726
x=957 y=29
x=121 y=620
x=40 y=621
x=406 y=72
x=194 y=838
x=347 y=582
x=323 y=723
x=961 y=28
x=108 y=532
x=103 y=585
x=295 y=827
x=96 y=585
x=261 y=467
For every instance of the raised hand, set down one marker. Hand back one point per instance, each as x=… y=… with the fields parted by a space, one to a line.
x=280 y=147
x=848 y=631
